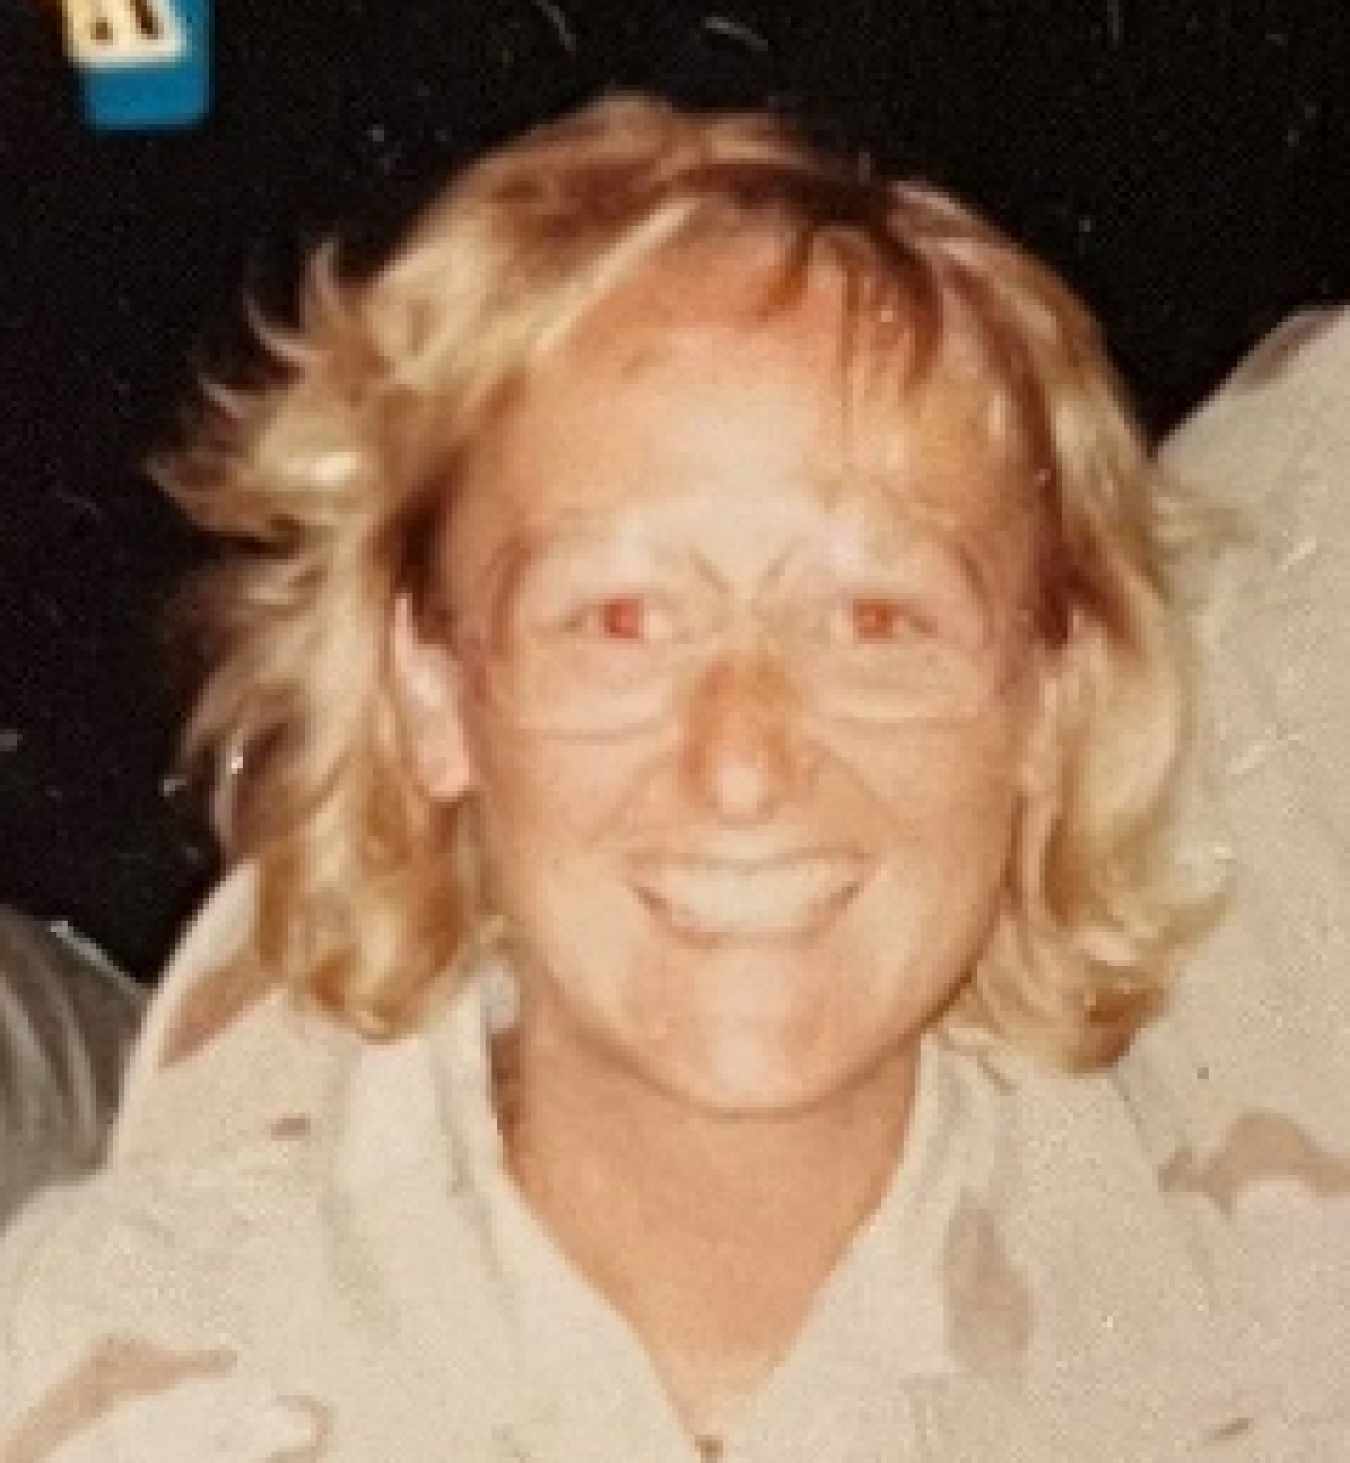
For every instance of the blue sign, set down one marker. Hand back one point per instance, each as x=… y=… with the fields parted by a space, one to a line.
x=141 y=63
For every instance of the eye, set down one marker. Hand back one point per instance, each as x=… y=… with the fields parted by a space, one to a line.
x=630 y=618
x=864 y=619
x=875 y=618
x=625 y=617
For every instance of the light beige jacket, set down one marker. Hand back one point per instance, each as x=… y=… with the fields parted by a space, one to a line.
x=306 y=1247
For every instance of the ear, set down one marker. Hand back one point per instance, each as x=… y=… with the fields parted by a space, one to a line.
x=427 y=694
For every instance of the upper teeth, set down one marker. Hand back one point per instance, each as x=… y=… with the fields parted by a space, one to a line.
x=730 y=899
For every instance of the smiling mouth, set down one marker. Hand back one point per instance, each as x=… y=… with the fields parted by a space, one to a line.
x=764 y=901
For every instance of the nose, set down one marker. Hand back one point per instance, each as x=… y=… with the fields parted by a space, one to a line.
x=743 y=757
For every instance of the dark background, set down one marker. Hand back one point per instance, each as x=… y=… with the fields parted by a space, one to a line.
x=1185 y=164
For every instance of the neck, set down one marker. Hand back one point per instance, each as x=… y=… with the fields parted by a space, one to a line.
x=710 y=1232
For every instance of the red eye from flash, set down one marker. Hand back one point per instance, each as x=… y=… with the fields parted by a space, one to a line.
x=622 y=618
x=876 y=619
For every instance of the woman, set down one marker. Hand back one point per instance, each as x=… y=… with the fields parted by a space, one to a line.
x=695 y=723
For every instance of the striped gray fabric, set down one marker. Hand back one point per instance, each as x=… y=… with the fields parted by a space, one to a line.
x=67 y=1016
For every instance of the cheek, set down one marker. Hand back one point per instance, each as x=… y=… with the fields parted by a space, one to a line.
x=942 y=856
x=551 y=804
x=942 y=862
x=956 y=788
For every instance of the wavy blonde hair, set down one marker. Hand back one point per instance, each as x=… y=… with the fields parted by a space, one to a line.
x=332 y=478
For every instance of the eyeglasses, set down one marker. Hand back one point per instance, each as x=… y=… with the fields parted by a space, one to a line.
x=597 y=640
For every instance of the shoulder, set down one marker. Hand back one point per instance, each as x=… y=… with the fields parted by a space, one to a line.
x=1131 y=1233
x=148 y=1252
x=261 y=1231
x=244 y=1306
x=110 y=1349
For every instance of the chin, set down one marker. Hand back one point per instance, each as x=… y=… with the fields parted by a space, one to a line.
x=746 y=1096
x=738 y=1075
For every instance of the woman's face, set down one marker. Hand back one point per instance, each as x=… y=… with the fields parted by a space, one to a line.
x=752 y=880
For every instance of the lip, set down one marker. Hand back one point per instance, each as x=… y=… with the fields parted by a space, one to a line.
x=761 y=899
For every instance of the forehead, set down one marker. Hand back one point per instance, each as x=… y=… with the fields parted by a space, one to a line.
x=692 y=399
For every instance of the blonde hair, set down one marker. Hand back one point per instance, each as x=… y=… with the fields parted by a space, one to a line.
x=332 y=478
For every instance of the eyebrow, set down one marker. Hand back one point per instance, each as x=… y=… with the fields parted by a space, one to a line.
x=528 y=551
